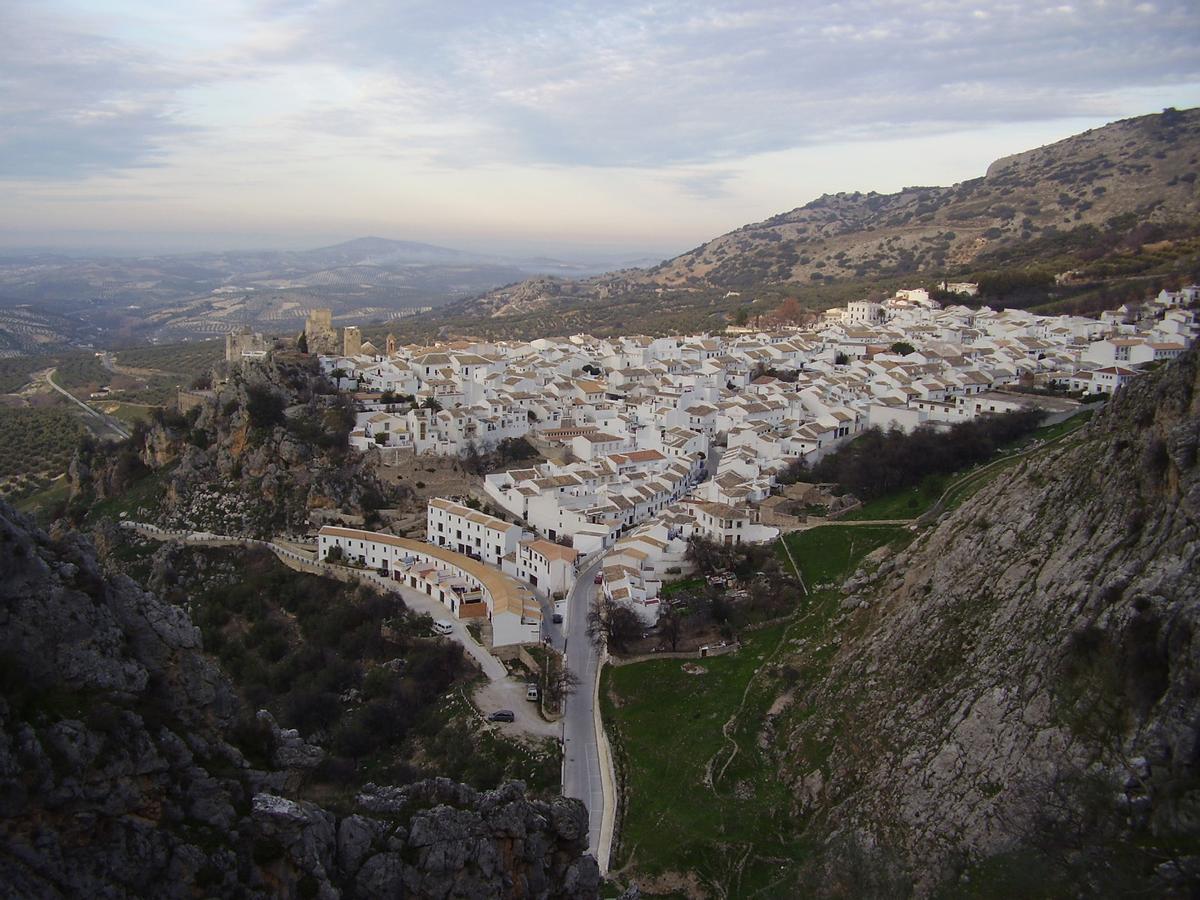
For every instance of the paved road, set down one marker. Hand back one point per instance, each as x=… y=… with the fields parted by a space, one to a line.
x=581 y=759
x=105 y=425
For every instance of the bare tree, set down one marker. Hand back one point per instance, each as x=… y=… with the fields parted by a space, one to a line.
x=670 y=626
x=613 y=625
x=560 y=684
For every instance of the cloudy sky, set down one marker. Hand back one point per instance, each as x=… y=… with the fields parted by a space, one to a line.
x=518 y=125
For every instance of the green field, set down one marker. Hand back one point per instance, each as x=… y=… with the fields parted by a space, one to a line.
x=129 y=413
x=705 y=810
x=682 y=586
x=827 y=554
x=904 y=504
x=157 y=390
x=35 y=447
x=668 y=725
x=188 y=359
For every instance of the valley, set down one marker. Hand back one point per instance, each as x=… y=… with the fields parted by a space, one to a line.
x=852 y=553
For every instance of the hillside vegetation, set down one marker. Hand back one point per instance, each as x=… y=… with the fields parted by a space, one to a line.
x=35 y=447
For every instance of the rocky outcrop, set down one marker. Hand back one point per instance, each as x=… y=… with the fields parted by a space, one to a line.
x=261 y=451
x=1016 y=696
x=128 y=769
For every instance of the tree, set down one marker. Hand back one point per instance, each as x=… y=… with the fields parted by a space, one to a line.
x=670 y=626
x=789 y=311
x=841 y=359
x=707 y=556
x=902 y=348
x=302 y=342
x=741 y=317
x=432 y=404
x=472 y=459
x=613 y=624
x=560 y=684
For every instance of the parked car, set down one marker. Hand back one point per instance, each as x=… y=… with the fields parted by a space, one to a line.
x=502 y=715
x=440 y=627
x=599 y=579
x=531 y=692
x=556 y=618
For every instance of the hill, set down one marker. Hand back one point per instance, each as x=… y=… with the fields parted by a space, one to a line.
x=1008 y=706
x=1091 y=204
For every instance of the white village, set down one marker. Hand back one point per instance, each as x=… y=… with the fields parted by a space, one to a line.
x=649 y=442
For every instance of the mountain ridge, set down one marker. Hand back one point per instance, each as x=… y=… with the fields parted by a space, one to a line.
x=1143 y=167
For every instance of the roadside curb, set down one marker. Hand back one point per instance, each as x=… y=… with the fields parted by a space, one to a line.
x=608 y=775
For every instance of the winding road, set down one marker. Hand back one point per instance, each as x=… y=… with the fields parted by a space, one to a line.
x=105 y=426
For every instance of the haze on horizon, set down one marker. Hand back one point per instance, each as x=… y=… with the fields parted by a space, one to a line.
x=535 y=127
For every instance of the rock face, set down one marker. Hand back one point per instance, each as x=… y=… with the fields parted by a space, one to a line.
x=1017 y=695
x=127 y=769
x=266 y=447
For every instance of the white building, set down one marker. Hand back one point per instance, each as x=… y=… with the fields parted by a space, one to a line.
x=468 y=588
x=547 y=566
x=469 y=531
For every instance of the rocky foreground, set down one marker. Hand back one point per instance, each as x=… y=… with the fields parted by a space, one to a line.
x=128 y=769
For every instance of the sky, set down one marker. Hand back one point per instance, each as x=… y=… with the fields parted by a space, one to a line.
x=535 y=127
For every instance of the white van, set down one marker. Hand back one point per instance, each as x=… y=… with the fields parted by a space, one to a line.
x=443 y=628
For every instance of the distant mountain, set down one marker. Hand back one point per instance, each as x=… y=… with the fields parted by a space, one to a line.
x=375 y=251
x=1100 y=186
x=56 y=300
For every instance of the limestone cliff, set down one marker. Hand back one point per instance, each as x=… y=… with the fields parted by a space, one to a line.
x=128 y=770
x=1015 y=697
x=268 y=446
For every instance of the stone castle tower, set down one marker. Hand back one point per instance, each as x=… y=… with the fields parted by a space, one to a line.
x=391 y=345
x=243 y=342
x=351 y=341
x=319 y=333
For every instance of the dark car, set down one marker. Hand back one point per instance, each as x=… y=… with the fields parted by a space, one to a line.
x=502 y=715
x=599 y=579
x=556 y=618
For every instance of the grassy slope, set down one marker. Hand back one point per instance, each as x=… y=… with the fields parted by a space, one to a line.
x=739 y=835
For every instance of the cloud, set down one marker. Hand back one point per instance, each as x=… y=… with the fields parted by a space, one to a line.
x=706 y=185
x=246 y=91
x=675 y=83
